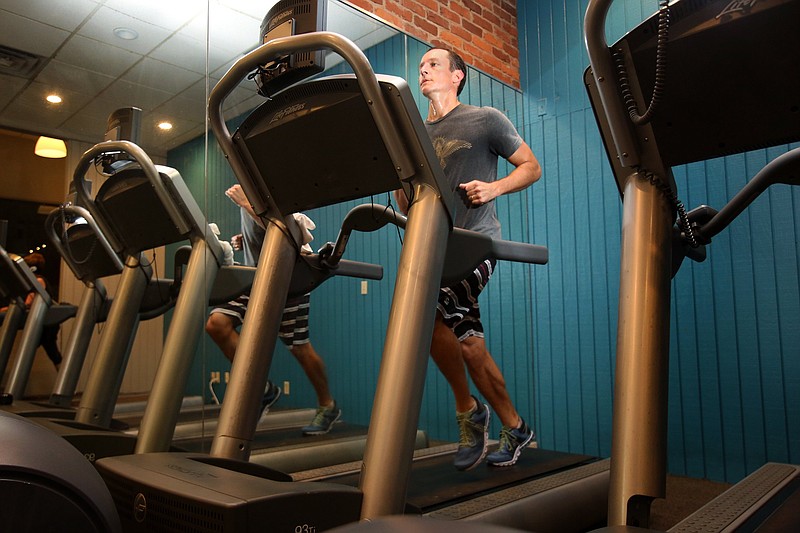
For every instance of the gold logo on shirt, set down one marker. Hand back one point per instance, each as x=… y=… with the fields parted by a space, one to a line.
x=445 y=148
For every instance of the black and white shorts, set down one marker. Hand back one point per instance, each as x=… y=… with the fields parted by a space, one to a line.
x=458 y=303
x=294 y=323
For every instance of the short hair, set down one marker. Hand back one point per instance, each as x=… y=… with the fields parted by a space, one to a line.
x=456 y=63
x=35 y=261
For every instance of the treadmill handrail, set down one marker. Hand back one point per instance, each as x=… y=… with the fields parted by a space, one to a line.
x=359 y=269
x=147 y=167
x=465 y=248
x=604 y=73
x=16 y=283
x=101 y=238
x=275 y=48
x=783 y=169
x=24 y=277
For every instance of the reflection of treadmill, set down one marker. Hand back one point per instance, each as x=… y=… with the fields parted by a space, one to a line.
x=705 y=105
x=14 y=287
x=79 y=239
x=167 y=214
x=18 y=280
x=92 y=309
x=366 y=138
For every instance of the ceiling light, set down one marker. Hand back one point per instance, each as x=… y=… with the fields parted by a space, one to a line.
x=166 y=126
x=49 y=147
x=53 y=98
x=126 y=34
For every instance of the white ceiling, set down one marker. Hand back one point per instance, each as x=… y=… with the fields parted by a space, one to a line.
x=162 y=71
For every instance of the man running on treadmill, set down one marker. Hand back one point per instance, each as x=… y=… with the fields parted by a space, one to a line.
x=468 y=141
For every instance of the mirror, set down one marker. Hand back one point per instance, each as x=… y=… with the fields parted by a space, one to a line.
x=98 y=56
x=159 y=56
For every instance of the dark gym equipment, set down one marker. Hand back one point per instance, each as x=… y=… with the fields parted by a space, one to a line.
x=723 y=82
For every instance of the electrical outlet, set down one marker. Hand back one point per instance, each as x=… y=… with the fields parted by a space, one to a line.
x=227 y=376
x=364 y=286
x=286 y=388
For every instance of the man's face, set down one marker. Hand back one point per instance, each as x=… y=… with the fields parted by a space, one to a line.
x=435 y=75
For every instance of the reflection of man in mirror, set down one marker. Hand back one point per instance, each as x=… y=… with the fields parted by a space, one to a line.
x=468 y=141
x=223 y=321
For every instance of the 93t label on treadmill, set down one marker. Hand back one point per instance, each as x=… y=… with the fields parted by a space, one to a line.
x=305 y=528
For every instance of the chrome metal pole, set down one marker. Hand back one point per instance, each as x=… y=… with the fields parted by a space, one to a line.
x=105 y=379
x=239 y=415
x=31 y=335
x=395 y=412
x=78 y=344
x=185 y=329
x=638 y=449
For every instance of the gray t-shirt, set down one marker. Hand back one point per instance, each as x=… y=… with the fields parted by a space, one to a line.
x=252 y=239
x=468 y=141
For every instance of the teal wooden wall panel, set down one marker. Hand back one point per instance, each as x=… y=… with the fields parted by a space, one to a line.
x=734 y=365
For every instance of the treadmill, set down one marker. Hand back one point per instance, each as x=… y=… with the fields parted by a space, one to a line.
x=13 y=289
x=703 y=105
x=18 y=280
x=90 y=257
x=321 y=130
x=130 y=232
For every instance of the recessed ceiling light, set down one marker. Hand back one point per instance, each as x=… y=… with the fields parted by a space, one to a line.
x=53 y=98
x=127 y=34
x=166 y=126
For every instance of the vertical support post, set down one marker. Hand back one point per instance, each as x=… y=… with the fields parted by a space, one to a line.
x=8 y=332
x=395 y=412
x=164 y=403
x=31 y=335
x=77 y=344
x=239 y=415
x=638 y=451
x=104 y=381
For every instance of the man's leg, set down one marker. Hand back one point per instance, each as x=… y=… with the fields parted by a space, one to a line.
x=446 y=353
x=221 y=329
x=314 y=367
x=471 y=415
x=515 y=434
x=488 y=379
x=294 y=334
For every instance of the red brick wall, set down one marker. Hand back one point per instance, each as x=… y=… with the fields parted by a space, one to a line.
x=483 y=32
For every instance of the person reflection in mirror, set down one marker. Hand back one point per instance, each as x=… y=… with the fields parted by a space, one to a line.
x=224 y=320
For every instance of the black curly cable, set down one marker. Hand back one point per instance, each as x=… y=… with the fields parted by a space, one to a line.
x=660 y=72
x=672 y=197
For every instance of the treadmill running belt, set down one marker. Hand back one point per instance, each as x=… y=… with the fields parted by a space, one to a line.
x=274 y=438
x=439 y=483
x=436 y=483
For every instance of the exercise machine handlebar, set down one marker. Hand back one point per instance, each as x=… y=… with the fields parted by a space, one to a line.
x=276 y=48
x=61 y=213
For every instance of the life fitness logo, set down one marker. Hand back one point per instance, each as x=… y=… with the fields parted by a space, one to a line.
x=140 y=508
x=279 y=19
x=287 y=111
